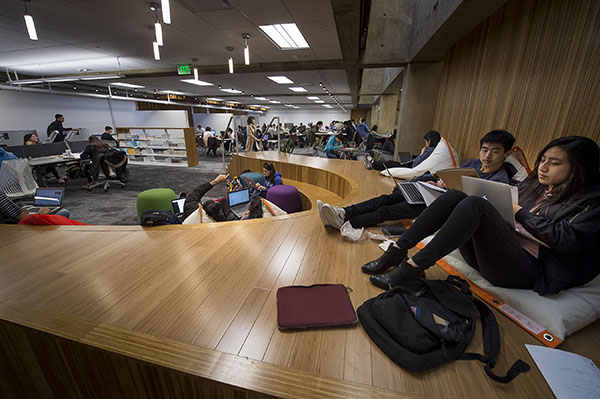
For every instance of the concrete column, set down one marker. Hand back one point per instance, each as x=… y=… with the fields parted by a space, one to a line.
x=417 y=106
x=388 y=113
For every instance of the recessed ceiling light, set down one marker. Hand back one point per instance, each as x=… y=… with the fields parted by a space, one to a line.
x=288 y=105
x=320 y=101
x=282 y=80
x=233 y=102
x=53 y=80
x=100 y=77
x=197 y=82
x=232 y=91
x=262 y=98
x=123 y=84
x=313 y=98
x=179 y=93
x=327 y=106
x=275 y=102
x=285 y=36
x=215 y=99
x=298 y=89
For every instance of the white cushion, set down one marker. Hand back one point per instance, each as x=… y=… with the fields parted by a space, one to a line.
x=440 y=158
x=194 y=217
x=562 y=314
x=270 y=209
x=521 y=171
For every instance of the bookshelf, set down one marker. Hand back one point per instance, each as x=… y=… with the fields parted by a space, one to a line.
x=159 y=145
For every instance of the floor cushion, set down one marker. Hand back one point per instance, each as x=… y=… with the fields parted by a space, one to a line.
x=442 y=157
x=155 y=198
x=562 y=314
x=286 y=197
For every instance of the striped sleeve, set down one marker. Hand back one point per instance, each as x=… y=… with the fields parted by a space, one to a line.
x=8 y=209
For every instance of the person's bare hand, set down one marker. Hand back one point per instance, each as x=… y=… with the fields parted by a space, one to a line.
x=423 y=150
x=439 y=183
x=44 y=211
x=516 y=207
x=219 y=179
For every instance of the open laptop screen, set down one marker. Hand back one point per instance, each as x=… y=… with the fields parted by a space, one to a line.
x=238 y=197
x=50 y=197
x=178 y=205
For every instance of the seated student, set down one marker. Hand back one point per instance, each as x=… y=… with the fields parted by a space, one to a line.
x=32 y=139
x=493 y=149
x=212 y=208
x=334 y=143
x=272 y=178
x=432 y=138
x=107 y=135
x=12 y=213
x=559 y=204
x=255 y=210
x=97 y=152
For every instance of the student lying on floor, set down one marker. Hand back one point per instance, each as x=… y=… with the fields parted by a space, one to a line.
x=431 y=138
x=559 y=204
x=494 y=147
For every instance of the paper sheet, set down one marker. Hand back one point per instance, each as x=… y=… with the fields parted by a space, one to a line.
x=569 y=375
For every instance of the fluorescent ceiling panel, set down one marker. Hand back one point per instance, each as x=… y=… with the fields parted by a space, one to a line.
x=261 y=98
x=285 y=36
x=275 y=102
x=129 y=85
x=197 y=82
x=282 y=80
x=215 y=99
x=320 y=102
x=313 y=98
x=232 y=91
x=298 y=89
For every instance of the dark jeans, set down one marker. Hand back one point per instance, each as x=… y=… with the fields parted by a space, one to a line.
x=380 y=209
x=483 y=237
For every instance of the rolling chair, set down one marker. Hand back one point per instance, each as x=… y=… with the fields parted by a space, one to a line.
x=117 y=173
x=16 y=180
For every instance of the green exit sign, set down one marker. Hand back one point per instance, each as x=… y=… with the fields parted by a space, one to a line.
x=184 y=70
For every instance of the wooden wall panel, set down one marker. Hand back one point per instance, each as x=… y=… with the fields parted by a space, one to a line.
x=532 y=69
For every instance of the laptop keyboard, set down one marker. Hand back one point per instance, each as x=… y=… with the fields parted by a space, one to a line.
x=411 y=193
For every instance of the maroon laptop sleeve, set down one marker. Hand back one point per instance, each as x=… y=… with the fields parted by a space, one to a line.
x=314 y=306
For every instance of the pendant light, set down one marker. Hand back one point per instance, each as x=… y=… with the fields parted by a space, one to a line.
x=246 y=36
x=29 y=23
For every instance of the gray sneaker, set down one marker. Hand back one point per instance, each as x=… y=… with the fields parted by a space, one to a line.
x=332 y=216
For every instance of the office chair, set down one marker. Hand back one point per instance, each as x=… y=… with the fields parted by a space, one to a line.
x=121 y=174
x=52 y=136
x=16 y=180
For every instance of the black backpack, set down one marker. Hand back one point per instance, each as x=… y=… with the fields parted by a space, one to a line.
x=434 y=326
x=159 y=217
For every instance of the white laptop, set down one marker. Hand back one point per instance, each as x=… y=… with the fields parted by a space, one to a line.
x=501 y=196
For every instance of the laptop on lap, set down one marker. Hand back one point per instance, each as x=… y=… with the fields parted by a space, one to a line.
x=417 y=193
x=236 y=201
x=49 y=197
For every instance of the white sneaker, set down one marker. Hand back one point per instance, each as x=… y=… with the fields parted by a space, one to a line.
x=320 y=208
x=332 y=216
x=60 y=180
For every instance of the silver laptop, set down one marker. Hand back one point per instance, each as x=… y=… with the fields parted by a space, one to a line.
x=501 y=196
x=48 y=197
x=417 y=193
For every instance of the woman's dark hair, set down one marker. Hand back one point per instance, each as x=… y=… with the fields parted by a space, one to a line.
x=584 y=157
x=255 y=210
x=271 y=168
x=250 y=120
x=434 y=138
x=99 y=145
x=374 y=128
x=214 y=210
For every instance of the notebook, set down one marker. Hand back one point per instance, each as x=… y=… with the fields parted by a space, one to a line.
x=49 y=197
x=314 y=306
x=452 y=176
x=501 y=196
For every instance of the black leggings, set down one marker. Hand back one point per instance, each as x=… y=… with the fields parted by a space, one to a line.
x=484 y=239
x=380 y=209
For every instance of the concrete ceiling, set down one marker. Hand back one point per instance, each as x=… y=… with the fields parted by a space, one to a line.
x=111 y=36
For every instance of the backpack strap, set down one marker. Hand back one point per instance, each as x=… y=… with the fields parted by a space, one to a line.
x=491 y=346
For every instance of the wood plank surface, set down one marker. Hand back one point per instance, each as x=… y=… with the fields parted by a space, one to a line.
x=200 y=300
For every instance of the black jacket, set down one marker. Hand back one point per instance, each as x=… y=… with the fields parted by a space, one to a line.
x=572 y=230
x=57 y=125
x=193 y=199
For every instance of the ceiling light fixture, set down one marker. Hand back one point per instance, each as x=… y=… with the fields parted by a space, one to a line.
x=195 y=73
x=320 y=102
x=232 y=91
x=262 y=98
x=158 y=31
x=313 y=98
x=29 y=23
x=298 y=89
x=246 y=36
x=275 y=102
x=285 y=36
x=179 y=93
x=230 y=49
x=123 y=84
x=166 y=11
x=282 y=80
x=156 y=51
x=215 y=99
x=100 y=77
x=197 y=82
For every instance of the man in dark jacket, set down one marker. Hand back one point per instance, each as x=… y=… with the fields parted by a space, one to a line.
x=57 y=125
x=107 y=135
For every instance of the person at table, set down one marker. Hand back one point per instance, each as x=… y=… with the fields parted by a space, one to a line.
x=57 y=125
x=494 y=147
x=107 y=135
x=559 y=204
x=11 y=213
x=32 y=139
x=94 y=151
x=333 y=144
x=312 y=138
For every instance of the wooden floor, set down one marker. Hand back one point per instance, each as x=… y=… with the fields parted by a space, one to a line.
x=201 y=300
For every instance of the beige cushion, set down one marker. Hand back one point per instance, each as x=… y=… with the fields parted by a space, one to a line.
x=442 y=157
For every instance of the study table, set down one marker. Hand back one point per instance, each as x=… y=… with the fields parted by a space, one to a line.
x=189 y=311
